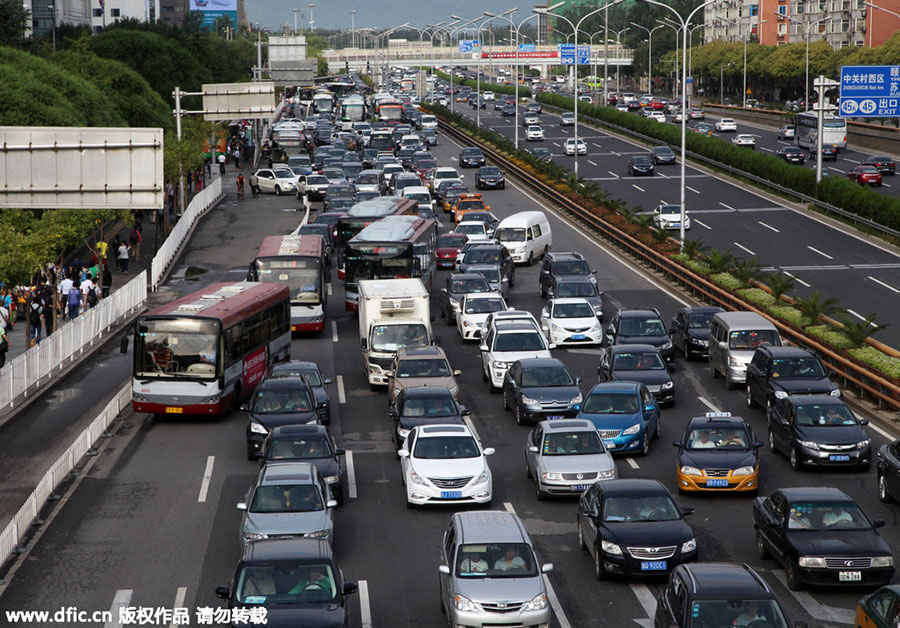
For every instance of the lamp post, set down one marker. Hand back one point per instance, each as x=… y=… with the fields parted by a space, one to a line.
x=478 y=71
x=618 y=55
x=445 y=29
x=675 y=28
x=869 y=29
x=353 y=28
x=295 y=12
x=517 y=29
x=722 y=81
x=464 y=25
x=385 y=34
x=746 y=34
x=808 y=26
x=312 y=21
x=649 y=52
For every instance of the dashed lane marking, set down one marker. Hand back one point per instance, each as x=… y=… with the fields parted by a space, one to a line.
x=881 y=283
x=815 y=250
x=708 y=404
x=180 y=594
x=207 y=476
x=334 y=332
x=342 y=398
x=797 y=279
x=741 y=246
x=702 y=224
x=120 y=601
x=812 y=606
x=769 y=227
x=632 y=463
x=365 y=610
x=351 y=475
x=692 y=189
x=638 y=188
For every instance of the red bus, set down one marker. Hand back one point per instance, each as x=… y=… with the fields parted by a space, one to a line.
x=389 y=111
x=205 y=352
x=364 y=214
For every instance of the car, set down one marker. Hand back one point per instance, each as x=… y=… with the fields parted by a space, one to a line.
x=471 y=157
x=403 y=180
x=888 y=466
x=508 y=110
x=423 y=405
x=566 y=457
x=879 y=609
x=538 y=389
x=567 y=118
x=541 y=153
x=864 y=174
x=488 y=95
x=819 y=430
x=668 y=216
x=640 y=327
x=689 y=330
x=638 y=363
x=530 y=119
x=633 y=528
x=485 y=217
x=309 y=370
x=338 y=190
x=726 y=124
x=429 y=136
x=277 y=180
x=489 y=177
x=586 y=98
x=493 y=275
x=884 y=164
x=563 y=265
x=829 y=153
x=327 y=235
x=277 y=401
x=421 y=366
x=744 y=139
x=491 y=255
x=307 y=443
x=791 y=154
x=474 y=230
x=447 y=247
x=534 y=133
x=570 y=146
x=786 y=132
x=300 y=164
x=330 y=219
x=625 y=413
x=640 y=164
x=473 y=310
x=703 y=128
x=313 y=186
x=465 y=203
x=445 y=464
x=696 y=113
x=287 y=499
x=777 y=372
x=447 y=193
x=571 y=321
x=663 y=155
x=821 y=537
x=507 y=342
x=580 y=287
x=659 y=116
x=718 y=452
x=534 y=107
x=456 y=285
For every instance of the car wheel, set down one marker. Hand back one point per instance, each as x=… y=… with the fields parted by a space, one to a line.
x=712 y=369
x=599 y=569
x=883 y=493
x=541 y=495
x=531 y=258
x=518 y=413
x=581 y=544
x=796 y=465
x=645 y=446
x=761 y=550
x=772 y=446
x=750 y=402
x=277 y=190
x=793 y=578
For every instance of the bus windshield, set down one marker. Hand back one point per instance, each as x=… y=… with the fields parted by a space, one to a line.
x=177 y=348
x=360 y=267
x=302 y=277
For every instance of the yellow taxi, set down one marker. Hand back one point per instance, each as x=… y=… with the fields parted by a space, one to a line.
x=718 y=453
x=466 y=203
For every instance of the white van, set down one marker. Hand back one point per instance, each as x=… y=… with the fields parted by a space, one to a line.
x=525 y=235
x=733 y=337
x=420 y=194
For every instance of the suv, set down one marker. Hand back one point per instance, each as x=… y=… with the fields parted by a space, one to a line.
x=778 y=372
x=492 y=255
x=421 y=366
x=475 y=594
x=640 y=327
x=690 y=329
x=506 y=343
x=278 y=401
x=717 y=453
x=309 y=370
x=559 y=265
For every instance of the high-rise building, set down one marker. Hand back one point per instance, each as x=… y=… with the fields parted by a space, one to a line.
x=114 y=10
x=173 y=11
x=77 y=12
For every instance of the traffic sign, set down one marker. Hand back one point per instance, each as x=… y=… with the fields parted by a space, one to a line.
x=526 y=48
x=567 y=54
x=690 y=80
x=469 y=45
x=870 y=91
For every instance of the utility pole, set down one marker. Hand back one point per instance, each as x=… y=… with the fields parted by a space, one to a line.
x=821 y=85
x=312 y=19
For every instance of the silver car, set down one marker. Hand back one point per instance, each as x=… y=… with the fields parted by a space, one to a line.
x=288 y=500
x=564 y=457
x=491 y=272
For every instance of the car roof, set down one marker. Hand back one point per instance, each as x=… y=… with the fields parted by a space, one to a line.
x=421 y=352
x=513 y=326
x=569 y=301
x=711 y=422
x=296 y=364
x=286 y=549
x=814 y=494
x=490 y=526
x=633 y=348
x=631 y=486
x=630 y=387
x=290 y=383
x=568 y=425
x=427 y=392
x=541 y=362
x=443 y=429
x=822 y=400
x=787 y=352
x=287 y=473
x=305 y=429
x=638 y=314
x=702 y=309
x=726 y=580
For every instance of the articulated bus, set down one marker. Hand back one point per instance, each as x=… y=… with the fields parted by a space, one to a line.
x=299 y=262
x=364 y=214
x=205 y=352
x=396 y=247
x=834 y=130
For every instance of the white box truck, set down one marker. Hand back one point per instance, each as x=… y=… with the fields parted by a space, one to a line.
x=393 y=313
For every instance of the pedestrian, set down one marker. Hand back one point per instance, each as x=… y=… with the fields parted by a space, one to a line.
x=189 y=180
x=64 y=287
x=45 y=294
x=74 y=301
x=236 y=154
x=87 y=288
x=240 y=186
x=198 y=180
x=4 y=346
x=222 y=160
x=170 y=199
x=135 y=240
x=123 y=257
x=115 y=245
x=5 y=316
x=36 y=315
x=106 y=283
x=207 y=164
x=253 y=180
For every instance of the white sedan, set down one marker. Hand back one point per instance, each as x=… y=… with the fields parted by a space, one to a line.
x=474 y=309
x=445 y=464
x=659 y=116
x=570 y=146
x=669 y=217
x=726 y=124
x=571 y=321
x=744 y=139
x=279 y=180
x=534 y=133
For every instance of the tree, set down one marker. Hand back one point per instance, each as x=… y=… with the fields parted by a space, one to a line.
x=814 y=307
x=14 y=19
x=780 y=283
x=858 y=331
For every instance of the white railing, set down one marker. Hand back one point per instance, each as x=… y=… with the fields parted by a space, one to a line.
x=17 y=529
x=168 y=252
x=28 y=371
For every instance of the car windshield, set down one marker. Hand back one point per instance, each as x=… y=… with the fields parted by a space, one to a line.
x=484 y=306
x=640 y=508
x=284 y=174
x=798 y=368
x=393 y=337
x=425 y=164
x=611 y=403
x=483 y=256
x=468 y=285
x=573 y=267
x=510 y=234
x=473 y=204
x=471 y=227
x=294 y=448
x=312 y=375
x=826 y=415
x=743 y=613
x=316 y=179
x=423 y=367
x=507 y=560
x=641 y=327
x=446 y=448
x=491 y=274
x=638 y=362
x=826 y=516
x=519 y=341
x=572 y=444
x=543 y=376
x=287 y=498
x=718 y=438
x=471 y=152
x=281 y=400
x=450 y=240
x=286 y=583
x=429 y=407
x=490 y=172
x=573 y=310
x=575 y=289
x=670 y=210
x=700 y=321
x=751 y=339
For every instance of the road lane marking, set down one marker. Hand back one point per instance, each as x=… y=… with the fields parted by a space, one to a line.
x=859 y=316
x=556 y=144
x=769 y=227
x=851 y=160
x=342 y=398
x=767 y=149
x=887 y=185
x=207 y=476
x=837 y=169
x=334 y=333
x=329 y=289
x=638 y=188
x=702 y=224
x=692 y=189
x=615 y=153
x=596 y=144
x=632 y=463
x=797 y=279
x=179 y=602
x=888 y=286
x=708 y=404
x=741 y=246
x=365 y=611
x=727 y=206
x=812 y=606
x=644 y=597
x=591 y=162
x=613 y=174
x=120 y=601
x=814 y=250
x=351 y=475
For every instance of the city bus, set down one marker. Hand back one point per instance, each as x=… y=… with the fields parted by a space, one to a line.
x=299 y=262
x=396 y=247
x=389 y=111
x=205 y=352
x=365 y=213
x=834 y=130
x=353 y=109
x=323 y=102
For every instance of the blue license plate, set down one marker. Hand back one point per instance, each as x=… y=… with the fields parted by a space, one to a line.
x=610 y=444
x=839 y=458
x=553 y=417
x=717 y=482
x=653 y=565
x=451 y=494
x=580 y=487
x=578 y=336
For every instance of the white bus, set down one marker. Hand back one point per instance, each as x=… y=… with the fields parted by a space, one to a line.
x=834 y=130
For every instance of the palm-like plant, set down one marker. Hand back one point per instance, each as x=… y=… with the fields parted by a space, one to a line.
x=694 y=248
x=719 y=261
x=813 y=307
x=780 y=283
x=858 y=331
x=746 y=269
x=659 y=234
x=644 y=220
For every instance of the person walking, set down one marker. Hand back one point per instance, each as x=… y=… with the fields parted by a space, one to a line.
x=5 y=316
x=35 y=317
x=64 y=286
x=106 y=282
x=198 y=181
x=45 y=294
x=222 y=160
x=253 y=180
x=74 y=301
x=4 y=346
x=135 y=240
x=122 y=255
x=236 y=155
x=240 y=186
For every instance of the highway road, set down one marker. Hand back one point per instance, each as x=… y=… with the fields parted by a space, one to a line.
x=143 y=527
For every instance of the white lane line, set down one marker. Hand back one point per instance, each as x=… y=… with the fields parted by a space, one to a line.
x=207 y=476
x=334 y=333
x=797 y=279
x=120 y=601
x=638 y=188
x=769 y=227
x=769 y=150
x=708 y=404
x=644 y=597
x=329 y=289
x=591 y=162
x=692 y=189
x=615 y=153
x=509 y=507
x=887 y=185
x=365 y=611
x=351 y=474
x=837 y=169
x=556 y=144
x=179 y=602
x=471 y=426
x=853 y=161
x=727 y=206
x=814 y=250
x=613 y=174
x=881 y=283
x=596 y=144
x=342 y=398
x=887 y=436
x=702 y=224
x=632 y=463
x=812 y=606
x=859 y=316
x=741 y=246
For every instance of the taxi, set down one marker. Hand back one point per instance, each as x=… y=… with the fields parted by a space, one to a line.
x=879 y=609
x=718 y=452
x=466 y=203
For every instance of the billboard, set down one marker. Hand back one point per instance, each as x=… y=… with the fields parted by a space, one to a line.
x=227 y=101
x=213 y=9
x=870 y=91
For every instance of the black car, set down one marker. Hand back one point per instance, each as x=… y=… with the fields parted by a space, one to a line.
x=819 y=430
x=341 y=204
x=330 y=219
x=541 y=153
x=352 y=169
x=443 y=188
x=365 y=195
x=563 y=265
x=539 y=389
x=423 y=405
x=718 y=452
x=640 y=164
x=792 y=154
x=327 y=233
x=448 y=195
x=821 y=537
x=888 y=464
x=456 y=285
x=690 y=330
x=471 y=157
x=663 y=155
x=296 y=580
x=338 y=190
x=567 y=286
x=489 y=177
x=638 y=363
x=778 y=372
x=405 y=155
x=643 y=327
x=633 y=528
x=829 y=153
x=493 y=255
x=278 y=401
x=309 y=370
x=307 y=443
x=508 y=110
x=884 y=164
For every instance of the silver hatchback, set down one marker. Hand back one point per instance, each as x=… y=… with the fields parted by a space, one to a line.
x=566 y=456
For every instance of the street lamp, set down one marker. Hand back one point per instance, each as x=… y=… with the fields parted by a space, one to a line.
x=676 y=28
x=808 y=26
x=295 y=12
x=869 y=30
x=353 y=28
x=517 y=29
x=464 y=26
x=649 y=52
x=746 y=33
x=722 y=81
x=312 y=20
x=618 y=55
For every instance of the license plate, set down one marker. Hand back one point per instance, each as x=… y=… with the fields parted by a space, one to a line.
x=580 y=487
x=578 y=336
x=451 y=494
x=170 y=410
x=839 y=458
x=609 y=443
x=653 y=565
x=554 y=417
x=849 y=576
x=717 y=482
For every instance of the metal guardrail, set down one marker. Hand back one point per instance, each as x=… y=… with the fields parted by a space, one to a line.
x=865 y=379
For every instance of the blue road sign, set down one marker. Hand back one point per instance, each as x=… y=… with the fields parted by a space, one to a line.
x=567 y=54
x=469 y=45
x=526 y=47
x=870 y=91
x=690 y=80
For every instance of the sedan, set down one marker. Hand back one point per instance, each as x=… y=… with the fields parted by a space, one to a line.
x=313 y=186
x=423 y=405
x=536 y=389
x=726 y=124
x=829 y=153
x=690 y=330
x=640 y=165
x=567 y=118
x=530 y=119
x=786 y=132
x=508 y=110
x=697 y=113
x=879 y=609
x=489 y=177
x=473 y=310
x=277 y=181
x=888 y=463
x=884 y=165
x=638 y=363
x=744 y=139
x=571 y=321
x=307 y=443
x=447 y=248
x=566 y=457
x=865 y=175
x=668 y=216
x=625 y=413
x=570 y=146
x=663 y=155
x=659 y=116
x=309 y=370
x=534 y=133
x=471 y=157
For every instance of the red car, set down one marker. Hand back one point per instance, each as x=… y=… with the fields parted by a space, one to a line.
x=656 y=104
x=448 y=247
x=865 y=174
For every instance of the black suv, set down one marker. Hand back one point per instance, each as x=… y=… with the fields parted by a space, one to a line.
x=718 y=594
x=471 y=157
x=494 y=255
x=640 y=327
x=278 y=401
x=307 y=443
x=538 y=389
x=778 y=372
x=489 y=177
x=690 y=330
x=563 y=265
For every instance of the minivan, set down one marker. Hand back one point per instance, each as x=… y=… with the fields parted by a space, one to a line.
x=490 y=574
x=526 y=235
x=733 y=337
x=371 y=181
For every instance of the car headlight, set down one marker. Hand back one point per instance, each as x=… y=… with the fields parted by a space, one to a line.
x=610 y=547
x=836 y=392
x=555 y=327
x=862 y=443
x=808 y=444
x=318 y=534
x=257 y=428
x=667 y=345
x=577 y=400
x=454 y=390
x=552 y=477
x=668 y=385
x=780 y=394
x=528 y=401
x=415 y=478
x=812 y=562
x=465 y=605
x=689 y=470
x=882 y=561
x=537 y=603
x=606 y=475
x=255 y=536
x=402 y=432
x=689 y=546
x=454 y=303
x=732 y=361
x=743 y=471
x=634 y=429
x=484 y=477
x=501 y=365
x=332 y=479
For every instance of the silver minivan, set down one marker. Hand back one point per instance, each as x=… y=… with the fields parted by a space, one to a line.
x=733 y=337
x=490 y=574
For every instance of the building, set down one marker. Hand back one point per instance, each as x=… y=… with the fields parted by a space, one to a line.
x=173 y=12
x=77 y=12
x=114 y=10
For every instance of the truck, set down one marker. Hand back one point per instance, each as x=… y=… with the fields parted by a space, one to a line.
x=393 y=313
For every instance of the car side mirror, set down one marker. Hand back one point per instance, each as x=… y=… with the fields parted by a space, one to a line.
x=649 y=407
x=331 y=503
x=241 y=506
x=444 y=569
x=328 y=380
x=444 y=290
x=758 y=444
x=340 y=452
x=389 y=373
x=551 y=346
x=593 y=272
x=546 y=567
x=245 y=407
x=878 y=523
x=223 y=592
x=671 y=330
x=403 y=453
x=578 y=379
x=533 y=449
x=363 y=343
x=483 y=347
x=723 y=345
x=676 y=443
x=687 y=511
x=457 y=373
x=490 y=451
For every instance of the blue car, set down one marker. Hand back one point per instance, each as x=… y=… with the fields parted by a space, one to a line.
x=625 y=413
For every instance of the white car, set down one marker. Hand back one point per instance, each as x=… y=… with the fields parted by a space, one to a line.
x=659 y=116
x=570 y=146
x=669 y=217
x=475 y=229
x=445 y=464
x=571 y=321
x=506 y=343
x=278 y=181
x=488 y=95
x=534 y=133
x=726 y=124
x=744 y=139
x=521 y=316
x=473 y=311
x=390 y=170
x=438 y=174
